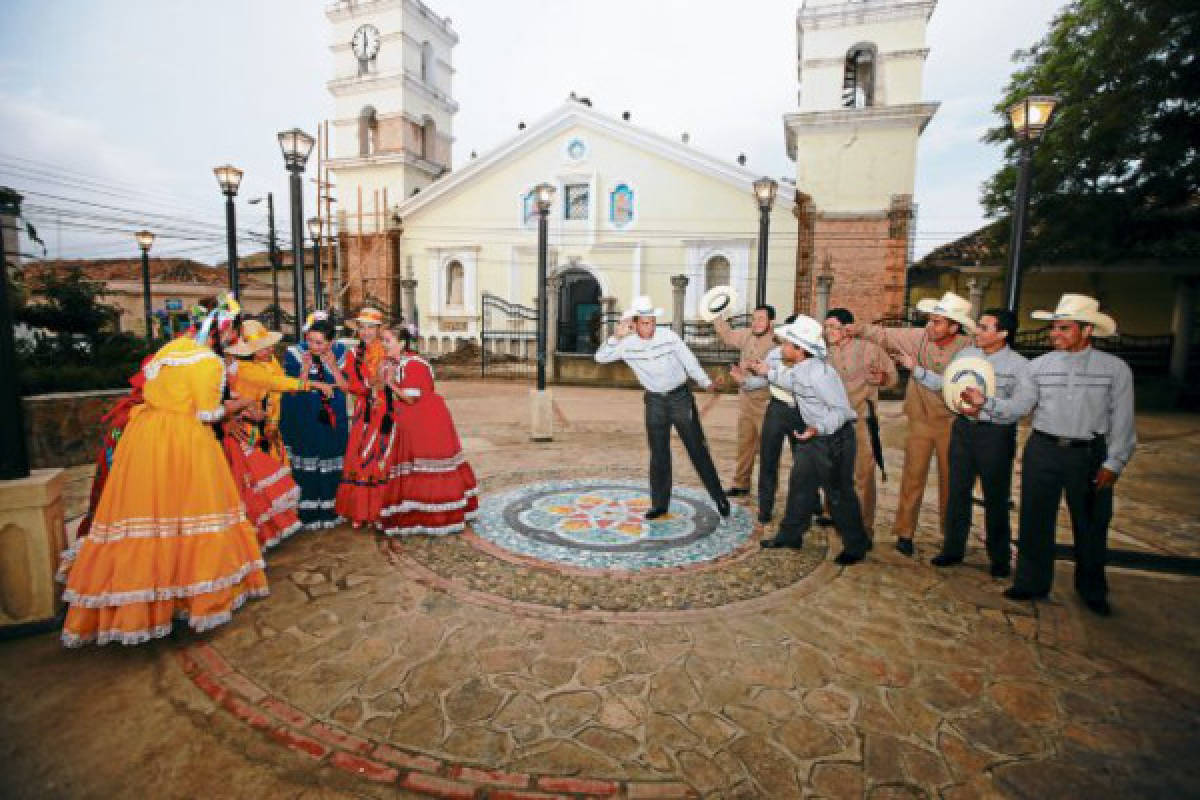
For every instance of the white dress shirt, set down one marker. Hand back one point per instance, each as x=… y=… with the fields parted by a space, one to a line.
x=661 y=363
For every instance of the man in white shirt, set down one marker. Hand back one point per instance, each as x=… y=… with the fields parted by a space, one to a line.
x=663 y=364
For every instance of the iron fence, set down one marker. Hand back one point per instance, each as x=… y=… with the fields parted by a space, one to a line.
x=508 y=339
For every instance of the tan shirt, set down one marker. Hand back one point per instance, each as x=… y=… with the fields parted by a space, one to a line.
x=750 y=348
x=855 y=359
x=920 y=403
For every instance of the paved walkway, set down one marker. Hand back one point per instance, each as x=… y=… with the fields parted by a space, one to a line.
x=449 y=668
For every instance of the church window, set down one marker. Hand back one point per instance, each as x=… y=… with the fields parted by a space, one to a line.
x=858 y=82
x=620 y=206
x=368 y=131
x=529 y=208
x=577 y=199
x=716 y=272
x=454 y=284
x=426 y=62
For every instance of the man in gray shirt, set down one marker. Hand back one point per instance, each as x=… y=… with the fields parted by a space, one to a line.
x=663 y=364
x=983 y=442
x=1083 y=436
x=823 y=450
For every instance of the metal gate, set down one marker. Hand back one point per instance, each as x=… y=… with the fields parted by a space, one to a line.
x=508 y=339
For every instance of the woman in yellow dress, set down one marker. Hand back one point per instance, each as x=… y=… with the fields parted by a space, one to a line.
x=169 y=539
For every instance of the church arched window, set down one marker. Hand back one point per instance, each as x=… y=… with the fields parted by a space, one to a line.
x=368 y=131
x=426 y=62
x=858 y=82
x=716 y=272
x=454 y=284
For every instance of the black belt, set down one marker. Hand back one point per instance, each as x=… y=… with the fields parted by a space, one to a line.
x=1065 y=441
x=993 y=423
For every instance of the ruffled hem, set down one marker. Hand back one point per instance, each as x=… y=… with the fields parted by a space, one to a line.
x=108 y=599
x=198 y=624
x=288 y=501
x=406 y=506
x=314 y=464
x=295 y=527
x=272 y=479
x=433 y=530
x=322 y=524
x=425 y=465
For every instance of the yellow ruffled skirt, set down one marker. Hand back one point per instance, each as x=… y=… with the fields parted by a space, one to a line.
x=169 y=539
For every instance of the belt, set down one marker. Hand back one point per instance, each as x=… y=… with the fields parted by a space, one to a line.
x=993 y=423
x=680 y=389
x=1065 y=441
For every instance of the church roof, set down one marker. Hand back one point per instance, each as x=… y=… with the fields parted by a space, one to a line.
x=572 y=113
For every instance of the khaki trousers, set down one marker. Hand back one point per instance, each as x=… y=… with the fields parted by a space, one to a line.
x=752 y=407
x=864 y=472
x=926 y=438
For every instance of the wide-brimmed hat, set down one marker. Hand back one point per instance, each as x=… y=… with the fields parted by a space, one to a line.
x=804 y=332
x=950 y=306
x=642 y=306
x=1081 y=308
x=969 y=372
x=718 y=301
x=255 y=337
x=366 y=316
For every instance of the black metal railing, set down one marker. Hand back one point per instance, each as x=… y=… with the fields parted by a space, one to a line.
x=508 y=338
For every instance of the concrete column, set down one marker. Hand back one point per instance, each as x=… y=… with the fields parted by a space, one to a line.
x=553 y=286
x=31 y=537
x=678 y=291
x=1181 y=327
x=408 y=299
x=976 y=288
x=609 y=304
x=824 y=286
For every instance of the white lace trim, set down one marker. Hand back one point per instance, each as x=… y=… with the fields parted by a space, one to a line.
x=324 y=524
x=432 y=530
x=211 y=416
x=412 y=505
x=66 y=559
x=273 y=478
x=428 y=465
x=199 y=624
x=411 y=392
x=108 y=599
x=314 y=464
x=283 y=534
x=152 y=369
x=316 y=505
x=164 y=527
x=287 y=501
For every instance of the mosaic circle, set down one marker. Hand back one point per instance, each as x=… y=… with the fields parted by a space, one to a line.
x=600 y=524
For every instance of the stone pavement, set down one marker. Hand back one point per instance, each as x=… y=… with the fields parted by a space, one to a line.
x=448 y=668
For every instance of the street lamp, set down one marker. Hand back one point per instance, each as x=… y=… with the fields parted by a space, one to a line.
x=764 y=192
x=14 y=453
x=296 y=145
x=314 y=233
x=544 y=198
x=272 y=256
x=1029 y=118
x=144 y=240
x=229 y=178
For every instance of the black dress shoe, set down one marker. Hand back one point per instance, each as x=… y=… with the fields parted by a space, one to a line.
x=943 y=560
x=1001 y=569
x=824 y=521
x=1013 y=593
x=870 y=544
x=846 y=559
x=1099 y=606
x=655 y=513
x=764 y=520
x=771 y=544
x=723 y=508
x=904 y=546
x=736 y=492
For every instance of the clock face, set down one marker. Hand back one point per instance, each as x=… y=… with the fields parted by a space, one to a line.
x=365 y=42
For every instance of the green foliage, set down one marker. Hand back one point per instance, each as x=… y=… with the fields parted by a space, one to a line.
x=1117 y=171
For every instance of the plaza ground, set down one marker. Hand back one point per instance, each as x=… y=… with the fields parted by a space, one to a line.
x=440 y=668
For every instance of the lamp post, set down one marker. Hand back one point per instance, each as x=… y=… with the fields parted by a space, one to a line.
x=764 y=192
x=272 y=256
x=144 y=240
x=14 y=453
x=314 y=233
x=229 y=178
x=544 y=196
x=296 y=145
x=1029 y=117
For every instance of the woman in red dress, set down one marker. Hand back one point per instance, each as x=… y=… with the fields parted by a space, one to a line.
x=431 y=487
x=364 y=477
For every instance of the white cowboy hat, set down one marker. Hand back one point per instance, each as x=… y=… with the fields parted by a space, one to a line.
x=718 y=301
x=969 y=372
x=255 y=337
x=952 y=307
x=804 y=332
x=1081 y=308
x=642 y=307
x=366 y=316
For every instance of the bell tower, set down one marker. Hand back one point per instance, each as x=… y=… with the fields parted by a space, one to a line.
x=854 y=141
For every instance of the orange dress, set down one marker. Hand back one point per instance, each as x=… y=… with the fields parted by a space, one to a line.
x=169 y=538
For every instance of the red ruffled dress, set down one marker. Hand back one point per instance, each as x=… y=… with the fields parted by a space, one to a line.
x=364 y=471
x=431 y=487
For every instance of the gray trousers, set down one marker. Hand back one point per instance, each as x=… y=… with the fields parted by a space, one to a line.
x=984 y=451
x=677 y=408
x=1049 y=470
x=826 y=462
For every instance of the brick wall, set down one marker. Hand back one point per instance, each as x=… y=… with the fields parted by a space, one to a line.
x=867 y=264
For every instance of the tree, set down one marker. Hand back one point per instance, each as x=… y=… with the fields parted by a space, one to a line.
x=69 y=306
x=1116 y=174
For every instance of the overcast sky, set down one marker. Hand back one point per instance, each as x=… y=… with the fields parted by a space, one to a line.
x=130 y=103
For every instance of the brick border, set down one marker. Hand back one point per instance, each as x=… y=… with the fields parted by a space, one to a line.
x=329 y=744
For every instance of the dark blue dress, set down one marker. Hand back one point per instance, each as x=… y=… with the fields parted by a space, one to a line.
x=315 y=447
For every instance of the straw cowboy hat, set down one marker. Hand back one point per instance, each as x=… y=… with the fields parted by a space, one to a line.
x=366 y=316
x=255 y=337
x=1081 y=308
x=717 y=302
x=970 y=372
x=804 y=332
x=642 y=307
x=952 y=307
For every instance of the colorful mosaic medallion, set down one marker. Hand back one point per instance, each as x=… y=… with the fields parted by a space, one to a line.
x=600 y=524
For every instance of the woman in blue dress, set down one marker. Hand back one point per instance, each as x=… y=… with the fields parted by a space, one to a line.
x=314 y=428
